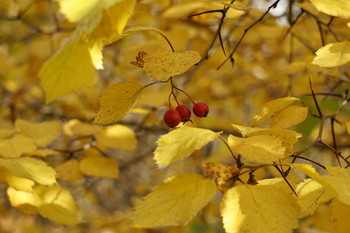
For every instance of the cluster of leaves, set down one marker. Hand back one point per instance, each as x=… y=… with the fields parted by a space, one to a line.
x=49 y=143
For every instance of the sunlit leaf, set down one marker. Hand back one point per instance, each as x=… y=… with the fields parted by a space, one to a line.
x=42 y=133
x=163 y=64
x=22 y=184
x=99 y=166
x=339 y=8
x=70 y=69
x=27 y=202
x=30 y=168
x=175 y=201
x=69 y=171
x=288 y=116
x=333 y=54
x=339 y=216
x=117 y=101
x=265 y=146
x=311 y=195
x=265 y=207
x=181 y=143
x=272 y=107
x=57 y=204
x=16 y=145
x=75 y=10
x=117 y=136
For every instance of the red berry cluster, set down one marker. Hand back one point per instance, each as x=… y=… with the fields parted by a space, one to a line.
x=173 y=117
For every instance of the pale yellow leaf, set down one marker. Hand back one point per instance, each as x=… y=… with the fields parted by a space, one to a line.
x=117 y=101
x=42 y=133
x=76 y=10
x=69 y=171
x=265 y=208
x=175 y=201
x=333 y=54
x=30 y=168
x=265 y=146
x=57 y=204
x=311 y=195
x=181 y=143
x=163 y=64
x=70 y=69
x=271 y=107
x=117 y=136
x=339 y=8
x=339 y=216
x=99 y=166
x=306 y=169
x=15 y=146
x=22 y=184
x=27 y=202
x=245 y=131
x=288 y=116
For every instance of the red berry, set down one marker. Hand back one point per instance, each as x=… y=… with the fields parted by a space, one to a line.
x=172 y=118
x=200 y=109
x=184 y=111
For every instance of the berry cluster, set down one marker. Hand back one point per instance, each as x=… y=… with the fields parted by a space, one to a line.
x=173 y=117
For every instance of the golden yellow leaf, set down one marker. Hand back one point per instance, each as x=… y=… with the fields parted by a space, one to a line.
x=311 y=195
x=27 y=202
x=15 y=146
x=175 y=201
x=57 y=204
x=30 y=168
x=117 y=136
x=333 y=54
x=222 y=173
x=70 y=69
x=239 y=6
x=117 y=101
x=288 y=116
x=22 y=184
x=271 y=107
x=339 y=8
x=265 y=146
x=76 y=10
x=80 y=129
x=265 y=207
x=42 y=133
x=163 y=64
x=181 y=143
x=339 y=216
x=306 y=169
x=69 y=171
x=99 y=166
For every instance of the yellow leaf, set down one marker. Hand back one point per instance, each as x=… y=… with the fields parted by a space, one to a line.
x=339 y=216
x=80 y=129
x=163 y=64
x=117 y=101
x=265 y=146
x=42 y=133
x=339 y=8
x=311 y=195
x=70 y=69
x=27 y=202
x=30 y=168
x=333 y=54
x=57 y=205
x=69 y=171
x=117 y=136
x=76 y=10
x=245 y=131
x=265 y=207
x=307 y=169
x=99 y=166
x=288 y=116
x=22 y=184
x=15 y=146
x=272 y=107
x=181 y=143
x=175 y=201
x=222 y=173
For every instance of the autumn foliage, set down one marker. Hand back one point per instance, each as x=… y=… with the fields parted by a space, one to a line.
x=174 y=116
